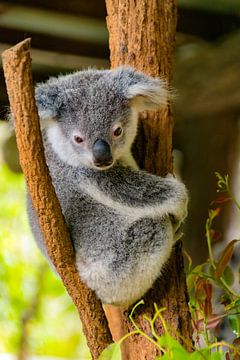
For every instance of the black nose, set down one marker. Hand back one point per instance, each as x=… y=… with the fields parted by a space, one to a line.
x=102 y=153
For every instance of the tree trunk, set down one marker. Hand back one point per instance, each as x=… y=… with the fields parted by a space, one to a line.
x=142 y=35
x=18 y=75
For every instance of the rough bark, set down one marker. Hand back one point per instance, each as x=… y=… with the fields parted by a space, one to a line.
x=18 y=75
x=142 y=35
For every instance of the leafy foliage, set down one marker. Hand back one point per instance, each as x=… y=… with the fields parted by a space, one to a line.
x=37 y=317
x=201 y=280
x=215 y=273
x=112 y=352
x=171 y=349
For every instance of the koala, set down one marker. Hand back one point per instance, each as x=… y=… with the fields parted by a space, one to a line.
x=123 y=221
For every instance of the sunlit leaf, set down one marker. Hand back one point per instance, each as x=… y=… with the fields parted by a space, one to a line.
x=19 y=278
x=225 y=258
x=172 y=346
x=201 y=355
x=234 y=321
x=216 y=356
x=206 y=354
x=112 y=352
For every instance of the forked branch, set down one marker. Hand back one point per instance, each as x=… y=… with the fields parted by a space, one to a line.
x=18 y=76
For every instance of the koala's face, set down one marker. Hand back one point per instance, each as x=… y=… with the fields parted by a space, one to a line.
x=94 y=128
x=91 y=116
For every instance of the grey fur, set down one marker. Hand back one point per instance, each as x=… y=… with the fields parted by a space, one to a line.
x=123 y=222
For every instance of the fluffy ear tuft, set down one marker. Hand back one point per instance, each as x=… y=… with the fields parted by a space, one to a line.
x=143 y=91
x=48 y=101
x=148 y=95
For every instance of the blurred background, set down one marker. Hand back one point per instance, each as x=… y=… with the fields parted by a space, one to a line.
x=37 y=319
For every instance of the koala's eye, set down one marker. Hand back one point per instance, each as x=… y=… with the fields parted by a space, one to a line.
x=118 y=131
x=78 y=139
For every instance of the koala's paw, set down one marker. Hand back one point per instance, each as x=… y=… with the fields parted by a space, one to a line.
x=177 y=228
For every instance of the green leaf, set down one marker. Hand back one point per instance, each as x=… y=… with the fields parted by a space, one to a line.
x=174 y=349
x=216 y=356
x=200 y=355
x=112 y=352
x=234 y=321
x=206 y=354
x=228 y=276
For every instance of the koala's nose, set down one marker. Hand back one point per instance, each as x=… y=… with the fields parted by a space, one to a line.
x=102 y=153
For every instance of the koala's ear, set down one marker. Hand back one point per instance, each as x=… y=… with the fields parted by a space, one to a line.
x=145 y=92
x=148 y=94
x=48 y=101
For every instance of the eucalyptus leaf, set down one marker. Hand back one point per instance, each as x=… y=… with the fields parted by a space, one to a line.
x=234 y=321
x=225 y=258
x=216 y=356
x=112 y=352
x=206 y=354
x=228 y=275
x=174 y=349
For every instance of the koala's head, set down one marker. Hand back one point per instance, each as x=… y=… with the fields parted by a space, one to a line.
x=91 y=116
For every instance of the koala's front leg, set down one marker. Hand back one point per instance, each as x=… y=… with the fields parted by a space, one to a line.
x=177 y=226
x=178 y=216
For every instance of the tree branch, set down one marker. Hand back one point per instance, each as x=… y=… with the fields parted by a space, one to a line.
x=18 y=75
